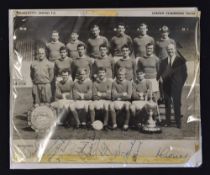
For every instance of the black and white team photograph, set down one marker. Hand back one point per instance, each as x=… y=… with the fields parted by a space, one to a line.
x=105 y=77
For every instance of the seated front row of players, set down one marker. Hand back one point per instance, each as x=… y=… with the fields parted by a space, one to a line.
x=103 y=94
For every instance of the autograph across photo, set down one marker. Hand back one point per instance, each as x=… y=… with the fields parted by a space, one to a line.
x=95 y=88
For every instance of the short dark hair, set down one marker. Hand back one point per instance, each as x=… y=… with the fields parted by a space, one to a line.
x=139 y=71
x=79 y=71
x=125 y=46
x=94 y=26
x=65 y=70
x=81 y=45
x=63 y=48
x=55 y=31
x=121 y=69
x=101 y=69
x=103 y=45
x=143 y=24
x=149 y=44
x=121 y=24
x=164 y=29
x=74 y=31
x=41 y=48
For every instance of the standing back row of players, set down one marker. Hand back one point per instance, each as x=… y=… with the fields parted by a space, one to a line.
x=115 y=45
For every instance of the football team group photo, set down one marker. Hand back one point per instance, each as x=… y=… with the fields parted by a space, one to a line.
x=122 y=77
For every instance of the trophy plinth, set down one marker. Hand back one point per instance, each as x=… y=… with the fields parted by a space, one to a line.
x=151 y=126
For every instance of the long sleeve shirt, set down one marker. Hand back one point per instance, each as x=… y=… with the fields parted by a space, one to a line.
x=118 y=41
x=93 y=46
x=82 y=63
x=54 y=50
x=61 y=64
x=161 y=47
x=42 y=72
x=149 y=65
x=140 y=43
x=144 y=86
x=107 y=63
x=129 y=65
x=72 y=48
x=64 y=88
x=118 y=88
x=103 y=87
x=85 y=88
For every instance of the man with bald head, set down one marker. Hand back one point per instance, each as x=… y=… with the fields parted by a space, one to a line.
x=172 y=74
x=161 y=50
x=42 y=73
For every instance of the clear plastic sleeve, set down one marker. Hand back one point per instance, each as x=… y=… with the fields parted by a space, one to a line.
x=60 y=120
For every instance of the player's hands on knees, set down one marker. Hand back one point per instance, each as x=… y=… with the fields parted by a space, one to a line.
x=117 y=106
x=161 y=80
x=124 y=93
x=141 y=95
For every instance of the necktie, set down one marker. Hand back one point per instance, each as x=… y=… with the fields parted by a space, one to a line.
x=170 y=62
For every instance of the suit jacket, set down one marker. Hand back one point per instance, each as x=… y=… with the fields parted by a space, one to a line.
x=175 y=75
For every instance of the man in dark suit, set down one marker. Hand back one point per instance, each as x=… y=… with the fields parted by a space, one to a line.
x=173 y=74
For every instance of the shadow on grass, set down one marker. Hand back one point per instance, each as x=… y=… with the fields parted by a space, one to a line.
x=22 y=116
x=28 y=129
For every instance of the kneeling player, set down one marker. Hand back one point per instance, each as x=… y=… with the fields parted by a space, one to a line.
x=63 y=95
x=121 y=95
x=82 y=93
x=142 y=92
x=101 y=96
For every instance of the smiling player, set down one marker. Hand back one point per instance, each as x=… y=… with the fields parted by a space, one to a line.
x=121 y=95
x=119 y=40
x=128 y=63
x=101 y=96
x=95 y=41
x=142 y=40
x=54 y=46
x=104 y=61
x=81 y=62
x=82 y=93
x=142 y=92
